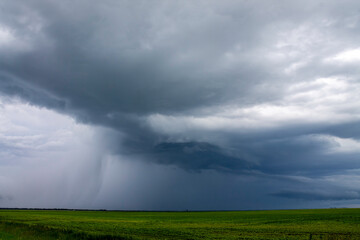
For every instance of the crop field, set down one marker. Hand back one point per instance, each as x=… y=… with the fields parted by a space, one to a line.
x=279 y=224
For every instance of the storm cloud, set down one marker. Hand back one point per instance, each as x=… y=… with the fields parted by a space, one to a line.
x=232 y=93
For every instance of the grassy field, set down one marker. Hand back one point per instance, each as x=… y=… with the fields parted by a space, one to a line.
x=284 y=224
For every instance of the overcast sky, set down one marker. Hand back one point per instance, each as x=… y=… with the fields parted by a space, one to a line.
x=173 y=105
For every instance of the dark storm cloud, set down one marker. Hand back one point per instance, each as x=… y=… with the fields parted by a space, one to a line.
x=346 y=130
x=15 y=87
x=145 y=57
x=114 y=62
x=198 y=156
x=307 y=155
x=97 y=57
x=312 y=195
x=248 y=87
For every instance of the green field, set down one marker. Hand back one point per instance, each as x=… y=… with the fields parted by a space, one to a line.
x=281 y=224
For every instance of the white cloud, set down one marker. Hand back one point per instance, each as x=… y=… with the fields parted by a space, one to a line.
x=6 y=36
x=325 y=101
x=347 y=56
x=345 y=145
x=9 y=40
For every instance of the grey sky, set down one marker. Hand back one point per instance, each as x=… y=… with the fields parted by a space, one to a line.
x=206 y=104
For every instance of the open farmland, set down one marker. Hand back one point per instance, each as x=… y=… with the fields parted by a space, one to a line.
x=280 y=224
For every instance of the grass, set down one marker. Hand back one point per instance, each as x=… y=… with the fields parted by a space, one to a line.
x=282 y=224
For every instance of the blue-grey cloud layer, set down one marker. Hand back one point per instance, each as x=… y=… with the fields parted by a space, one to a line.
x=265 y=90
